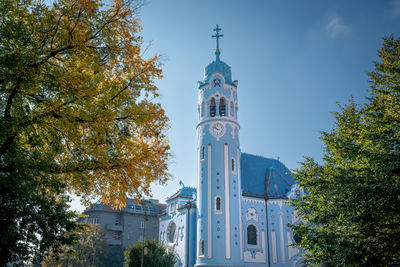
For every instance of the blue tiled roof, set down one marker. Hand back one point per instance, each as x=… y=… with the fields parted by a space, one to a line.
x=218 y=66
x=264 y=177
x=186 y=192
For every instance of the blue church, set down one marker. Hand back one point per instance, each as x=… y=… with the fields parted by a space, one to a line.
x=238 y=214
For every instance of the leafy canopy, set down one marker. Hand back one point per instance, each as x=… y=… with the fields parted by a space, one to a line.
x=155 y=254
x=89 y=250
x=351 y=215
x=77 y=115
x=77 y=96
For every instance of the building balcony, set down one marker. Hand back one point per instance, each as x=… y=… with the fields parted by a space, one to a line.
x=114 y=227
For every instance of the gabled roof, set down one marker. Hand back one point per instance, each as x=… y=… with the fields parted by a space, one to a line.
x=264 y=177
x=184 y=192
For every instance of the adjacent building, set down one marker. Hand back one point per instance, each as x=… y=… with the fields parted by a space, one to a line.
x=125 y=227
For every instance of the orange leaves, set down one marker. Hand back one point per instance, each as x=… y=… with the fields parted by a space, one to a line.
x=91 y=98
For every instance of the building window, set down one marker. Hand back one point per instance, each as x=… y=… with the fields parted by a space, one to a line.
x=172 y=232
x=218 y=204
x=172 y=208
x=222 y=107
x=117 y=235
x=232 y=108
x=251 y=235
x=141 y=224
x=117 y=219
x=233 y=165
x=213 y=107
x=202 y=247
x=202 y=153
x=202 y=110
x=92 y=220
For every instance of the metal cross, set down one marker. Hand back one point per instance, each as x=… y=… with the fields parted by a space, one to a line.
x=217 y=35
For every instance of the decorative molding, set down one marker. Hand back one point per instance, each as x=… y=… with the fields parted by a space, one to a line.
x=239 y=203
x=283 y=257
x=292 y=251
x=253 y=200
x=209 y=218
x=227 y=205
x=233 y=131
x=274 y=250
x=251 y=214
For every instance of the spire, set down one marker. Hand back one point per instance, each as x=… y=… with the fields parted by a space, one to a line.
x=217 y=36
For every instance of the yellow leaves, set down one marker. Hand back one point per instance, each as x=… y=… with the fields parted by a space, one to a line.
x=89 y=92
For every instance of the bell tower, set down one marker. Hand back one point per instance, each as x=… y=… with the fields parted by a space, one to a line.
x=218 y=179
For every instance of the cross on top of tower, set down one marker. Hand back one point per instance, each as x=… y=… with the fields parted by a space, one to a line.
x=217 y=36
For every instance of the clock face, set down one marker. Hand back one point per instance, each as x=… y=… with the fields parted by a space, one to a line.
x=217 y=129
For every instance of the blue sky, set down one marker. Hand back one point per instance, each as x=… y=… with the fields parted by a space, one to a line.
x=294 y=61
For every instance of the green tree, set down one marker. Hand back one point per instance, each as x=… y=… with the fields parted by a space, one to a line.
x=77 y=115
x=155 y=254
x=351 y=214
x=89 y=250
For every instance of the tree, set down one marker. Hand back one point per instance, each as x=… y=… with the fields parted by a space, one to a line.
x=155 y=254
x=89 y=250
x=77 y=115
x=351 y=214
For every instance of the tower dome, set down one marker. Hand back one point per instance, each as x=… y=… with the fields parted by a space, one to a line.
x=218 y=66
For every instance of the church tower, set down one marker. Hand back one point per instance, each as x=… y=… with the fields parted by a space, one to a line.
x=219 y=240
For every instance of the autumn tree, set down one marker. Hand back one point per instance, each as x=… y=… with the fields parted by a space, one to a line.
x=78 y=114
x=351 y=215
x=89 y=250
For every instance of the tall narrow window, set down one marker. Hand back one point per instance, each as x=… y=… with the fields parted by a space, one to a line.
x=233 y=163
x=218 y=203
x=251 y=235
x=213 y=107
x=222 y=107
x=202 y=152
x=202 y=247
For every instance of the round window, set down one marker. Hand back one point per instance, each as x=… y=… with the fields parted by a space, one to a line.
x=172 y=232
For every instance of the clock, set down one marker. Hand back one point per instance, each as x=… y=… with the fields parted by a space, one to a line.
x=217 y=130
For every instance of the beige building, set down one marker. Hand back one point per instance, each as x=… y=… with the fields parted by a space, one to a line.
x=127 y=226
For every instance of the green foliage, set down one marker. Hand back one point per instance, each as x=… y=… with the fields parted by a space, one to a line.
x=156 y=254
x=77 y=115
x=115 y=256
x=89 y=250
x=351 y=214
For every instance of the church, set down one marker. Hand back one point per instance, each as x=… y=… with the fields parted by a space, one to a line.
x=238 y=214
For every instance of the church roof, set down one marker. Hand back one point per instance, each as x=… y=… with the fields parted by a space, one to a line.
x=264 y=177
x=184 y=192
x=218 y=66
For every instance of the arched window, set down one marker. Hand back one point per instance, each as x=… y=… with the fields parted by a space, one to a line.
x=251 y=235
x=217 y=203
x=201 y=247
x=202 y=152
x=232 y=109
x=213 y=107
x=222 y=107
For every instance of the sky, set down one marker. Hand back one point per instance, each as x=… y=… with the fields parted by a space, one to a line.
x=294 y=60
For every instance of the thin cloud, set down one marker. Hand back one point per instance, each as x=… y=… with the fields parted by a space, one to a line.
x=336 y=27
